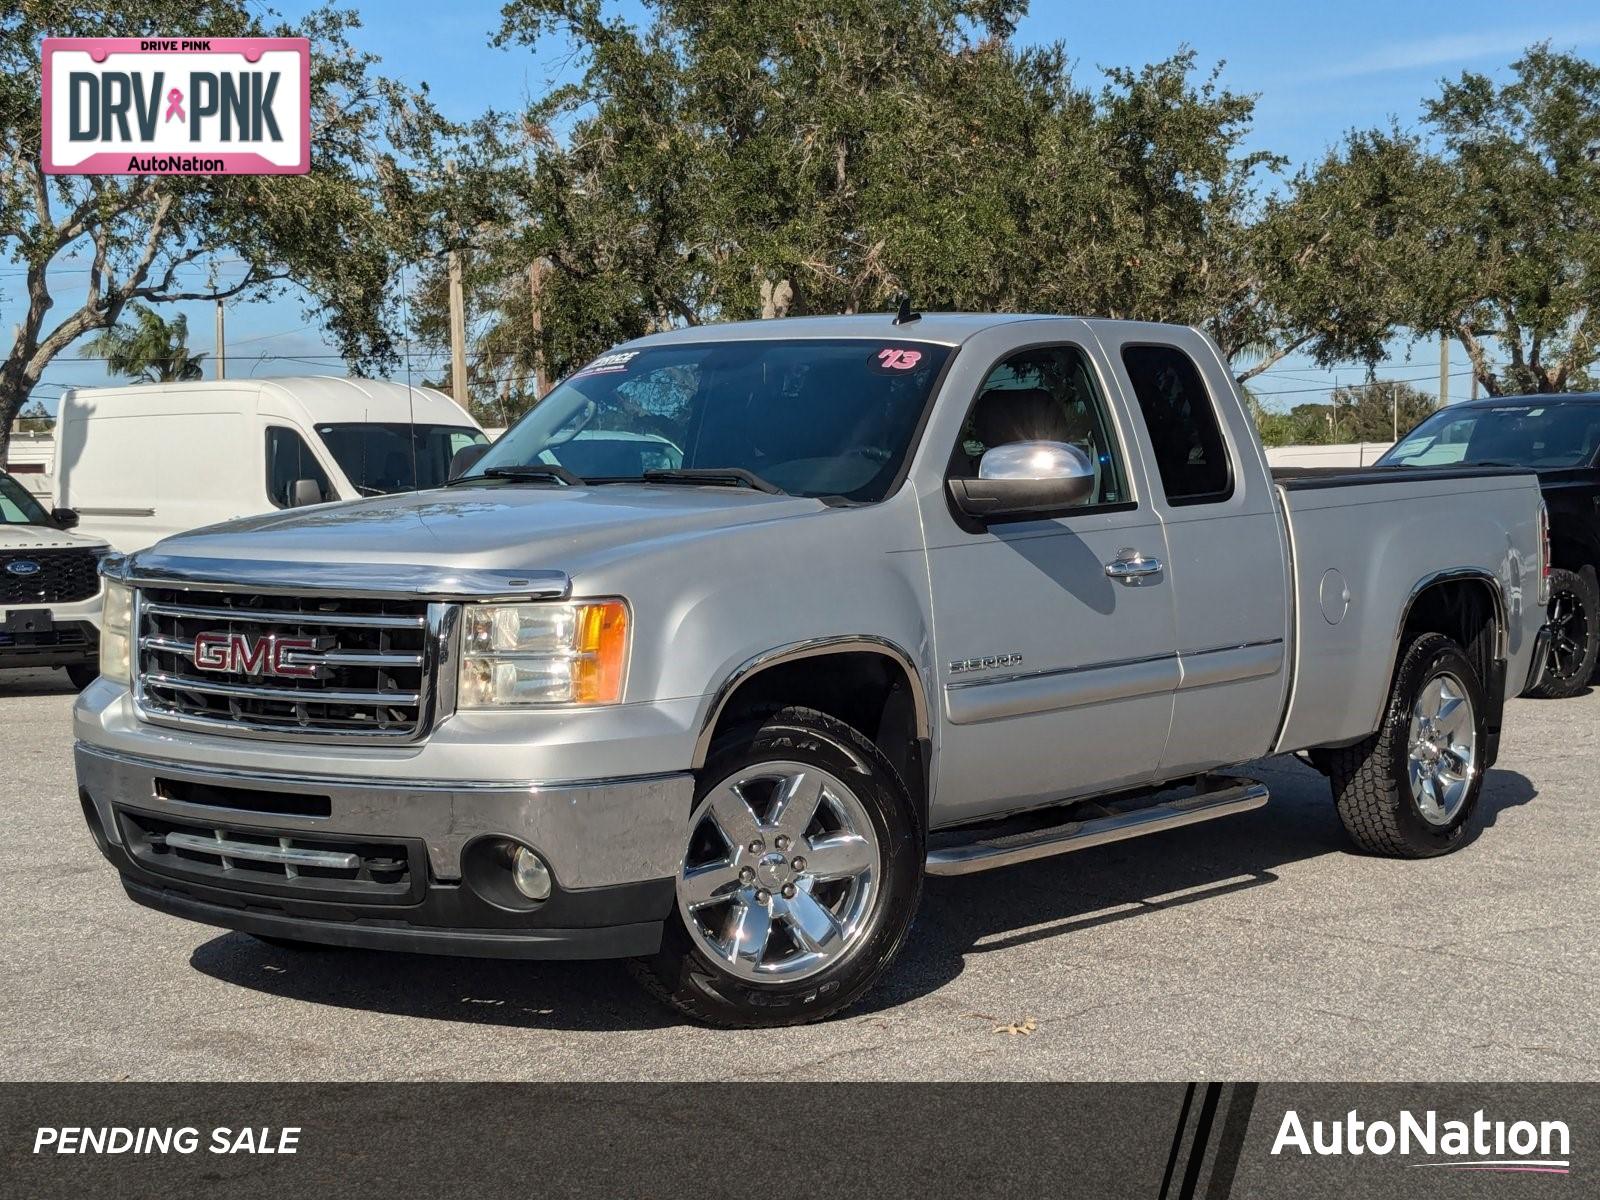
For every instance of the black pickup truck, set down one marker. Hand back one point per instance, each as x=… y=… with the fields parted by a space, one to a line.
x=1558 y=438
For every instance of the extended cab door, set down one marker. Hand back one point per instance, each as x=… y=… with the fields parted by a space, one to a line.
x=1227 y=561
x=1056 y=678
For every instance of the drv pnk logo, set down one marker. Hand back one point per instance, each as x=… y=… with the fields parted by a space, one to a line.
x=171 y=106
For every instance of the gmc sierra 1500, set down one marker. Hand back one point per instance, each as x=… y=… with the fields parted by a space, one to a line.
x=923 y=595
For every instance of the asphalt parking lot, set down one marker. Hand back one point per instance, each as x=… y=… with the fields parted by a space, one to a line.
x=1256 y=947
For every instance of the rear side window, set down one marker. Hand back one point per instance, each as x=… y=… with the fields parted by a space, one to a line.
x=289 y=459
x=1182 y=422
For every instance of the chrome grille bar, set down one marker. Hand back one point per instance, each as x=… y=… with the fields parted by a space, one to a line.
x=333 y=658
x=296 y=856
x=320 y=730
x=270 y=616
x=286 y=695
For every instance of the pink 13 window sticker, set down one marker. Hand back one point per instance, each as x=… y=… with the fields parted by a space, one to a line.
x=896 y=358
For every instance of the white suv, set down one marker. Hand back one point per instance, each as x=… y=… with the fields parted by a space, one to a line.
x=49 y=587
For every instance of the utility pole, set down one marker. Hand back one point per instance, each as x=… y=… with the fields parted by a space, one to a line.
x=221 y=355
x=458 y=321
x=541 y=377
x=1444 y=369
x=458 y=333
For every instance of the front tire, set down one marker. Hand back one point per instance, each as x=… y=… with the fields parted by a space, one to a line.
x=1410 y=789
x=1572 y=615
x=801 y=873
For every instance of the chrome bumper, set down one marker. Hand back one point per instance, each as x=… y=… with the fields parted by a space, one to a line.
x=594 y=834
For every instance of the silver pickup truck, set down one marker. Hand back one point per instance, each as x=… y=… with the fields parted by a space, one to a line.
x=742 y=631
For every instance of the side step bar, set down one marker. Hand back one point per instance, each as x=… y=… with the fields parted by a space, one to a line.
x=1219 y=797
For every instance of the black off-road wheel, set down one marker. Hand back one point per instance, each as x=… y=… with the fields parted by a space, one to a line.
x=1410 y=789
x=1573 y=616
x=802 y=870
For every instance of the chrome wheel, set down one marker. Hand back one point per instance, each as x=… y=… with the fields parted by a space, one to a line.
x=780 y=875
x=1569 y=635
x=1442 y=748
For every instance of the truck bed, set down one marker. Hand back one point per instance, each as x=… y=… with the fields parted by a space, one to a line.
x=1297 y=479
x=1361 y=542
x=1304 y=479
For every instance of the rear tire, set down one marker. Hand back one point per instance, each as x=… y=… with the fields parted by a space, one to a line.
x=756 y=940
x=83 y=674
x=1410 y=789
x=1572 y=614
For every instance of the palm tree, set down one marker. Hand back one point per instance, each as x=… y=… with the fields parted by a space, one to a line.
x=154 y=351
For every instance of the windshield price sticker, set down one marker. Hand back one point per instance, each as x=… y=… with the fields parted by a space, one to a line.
x=608 y=364
x=895 y=359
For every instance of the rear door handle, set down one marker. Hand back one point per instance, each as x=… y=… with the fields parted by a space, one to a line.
x=1132 y=568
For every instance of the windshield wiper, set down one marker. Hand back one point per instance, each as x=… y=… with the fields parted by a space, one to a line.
x=723 y=476
x=535 y=471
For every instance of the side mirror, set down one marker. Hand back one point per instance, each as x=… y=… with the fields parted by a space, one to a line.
x=305 y=491
x=1025 y=477
x=464 y=459
x=64 y=518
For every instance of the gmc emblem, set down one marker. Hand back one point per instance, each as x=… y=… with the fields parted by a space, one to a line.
x=243 y=654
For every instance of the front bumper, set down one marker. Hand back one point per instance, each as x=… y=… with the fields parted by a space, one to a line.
x=612 y=847
x=61 y=644
x=50 y=635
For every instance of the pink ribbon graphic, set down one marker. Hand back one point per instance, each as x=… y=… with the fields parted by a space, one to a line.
x=175 y=105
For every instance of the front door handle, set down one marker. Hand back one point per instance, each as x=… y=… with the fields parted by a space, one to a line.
x=1131 y=568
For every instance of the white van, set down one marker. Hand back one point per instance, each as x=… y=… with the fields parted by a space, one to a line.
x=141 y=463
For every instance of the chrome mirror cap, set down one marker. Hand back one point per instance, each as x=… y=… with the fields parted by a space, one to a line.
x=1036 y=461
x=1023 y=479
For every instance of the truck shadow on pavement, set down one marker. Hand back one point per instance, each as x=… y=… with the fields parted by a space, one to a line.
x=35 y=681
x=979 y=914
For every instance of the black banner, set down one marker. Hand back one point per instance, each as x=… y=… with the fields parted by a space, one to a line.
x=1162 y=1141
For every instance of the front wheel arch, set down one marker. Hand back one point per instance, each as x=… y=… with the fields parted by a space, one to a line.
x=866 y=682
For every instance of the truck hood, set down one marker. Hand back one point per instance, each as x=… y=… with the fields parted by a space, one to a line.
x=38 y=537
x=515 y=527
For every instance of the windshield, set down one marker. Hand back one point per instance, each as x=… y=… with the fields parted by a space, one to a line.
x=1518 y=434
x=812 y=418
x=17 y=505
x=377 y=458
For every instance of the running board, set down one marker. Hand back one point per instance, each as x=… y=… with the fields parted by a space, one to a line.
x=1219 y=797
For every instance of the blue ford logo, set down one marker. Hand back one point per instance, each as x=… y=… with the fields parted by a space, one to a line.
x=22 y=567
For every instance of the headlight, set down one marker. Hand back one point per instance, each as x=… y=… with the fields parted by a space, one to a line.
x=520 y=654
x=116 y=632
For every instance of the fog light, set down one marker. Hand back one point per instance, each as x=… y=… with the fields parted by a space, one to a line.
x=530 y=874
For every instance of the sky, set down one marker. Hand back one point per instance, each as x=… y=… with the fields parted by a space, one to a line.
x=1318 y=70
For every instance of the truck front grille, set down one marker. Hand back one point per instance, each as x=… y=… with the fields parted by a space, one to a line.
x=285 y=666
x=48 y=576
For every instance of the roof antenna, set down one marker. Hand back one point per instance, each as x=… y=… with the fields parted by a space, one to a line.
x=906 y=315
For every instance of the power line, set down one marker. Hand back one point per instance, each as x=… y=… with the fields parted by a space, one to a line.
x=1335 y=386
